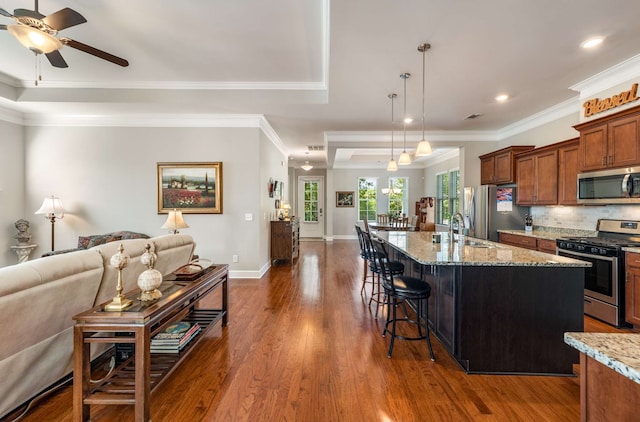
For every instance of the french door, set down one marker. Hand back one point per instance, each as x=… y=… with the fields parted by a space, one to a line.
x=311 y=206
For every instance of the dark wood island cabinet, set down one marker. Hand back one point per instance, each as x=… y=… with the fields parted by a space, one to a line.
x=495 y=308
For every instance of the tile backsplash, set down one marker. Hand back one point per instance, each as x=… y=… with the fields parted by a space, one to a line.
x=582 y=217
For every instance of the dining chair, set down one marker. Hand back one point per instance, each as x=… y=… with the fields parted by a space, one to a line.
x=383 y=219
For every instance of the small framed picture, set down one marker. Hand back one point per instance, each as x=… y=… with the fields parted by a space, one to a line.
x=344 y=199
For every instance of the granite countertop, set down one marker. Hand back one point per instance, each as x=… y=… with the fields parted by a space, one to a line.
x=550 y=233
x=618 y=351
x=471 y=251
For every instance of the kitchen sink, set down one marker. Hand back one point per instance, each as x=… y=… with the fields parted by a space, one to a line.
x=476 y=244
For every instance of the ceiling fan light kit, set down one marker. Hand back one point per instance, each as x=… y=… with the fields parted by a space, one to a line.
x=35 y=40
x=38 y=33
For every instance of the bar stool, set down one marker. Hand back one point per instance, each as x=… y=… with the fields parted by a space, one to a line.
x=366 y=255
x=397 y=289
x=393 y=267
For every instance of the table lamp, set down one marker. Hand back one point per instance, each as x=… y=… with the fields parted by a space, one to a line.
x=174 y=222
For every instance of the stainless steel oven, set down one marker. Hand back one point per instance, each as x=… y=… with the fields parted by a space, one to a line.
x=604 y=280
x=602 y=298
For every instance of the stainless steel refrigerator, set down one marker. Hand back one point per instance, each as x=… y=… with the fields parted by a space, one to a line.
x=488 y=208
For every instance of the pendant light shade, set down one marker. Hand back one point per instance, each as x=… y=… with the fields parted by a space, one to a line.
x=392 y=166
x=424 y=148
x=404 y=159
x=306 y=166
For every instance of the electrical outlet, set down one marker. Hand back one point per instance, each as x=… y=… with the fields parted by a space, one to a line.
x=235 y=258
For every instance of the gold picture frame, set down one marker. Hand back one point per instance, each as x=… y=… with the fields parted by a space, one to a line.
x=344 y=199
x=193 y=188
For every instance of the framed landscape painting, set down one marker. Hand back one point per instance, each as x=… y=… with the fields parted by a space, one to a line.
x=344 y=199
x=194 y=188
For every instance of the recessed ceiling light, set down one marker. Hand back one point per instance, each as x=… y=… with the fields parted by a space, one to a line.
x=502 y=98
x=592 y=42
x=408 y=119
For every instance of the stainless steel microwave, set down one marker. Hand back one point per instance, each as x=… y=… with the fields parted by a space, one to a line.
x=616 y=186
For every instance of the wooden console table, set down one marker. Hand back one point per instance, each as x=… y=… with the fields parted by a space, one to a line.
x=137 y=325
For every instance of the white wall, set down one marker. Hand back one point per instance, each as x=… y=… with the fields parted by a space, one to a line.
x=107 y=179
x=11 y=189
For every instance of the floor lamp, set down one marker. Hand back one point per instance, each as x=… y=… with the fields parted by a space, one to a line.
x=52 y=209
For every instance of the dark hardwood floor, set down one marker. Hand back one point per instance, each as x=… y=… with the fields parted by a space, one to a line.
x=302 y=344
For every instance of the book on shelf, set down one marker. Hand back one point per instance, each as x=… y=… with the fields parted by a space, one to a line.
x=175 y=337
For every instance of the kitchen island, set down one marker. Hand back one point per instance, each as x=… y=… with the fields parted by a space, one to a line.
x=609 y=375
x=497 y=308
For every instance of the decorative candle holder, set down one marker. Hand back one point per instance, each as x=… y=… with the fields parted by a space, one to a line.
x=120 y=301
x=150 y=279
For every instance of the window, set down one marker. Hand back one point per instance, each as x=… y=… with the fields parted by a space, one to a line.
x=448 y=194
x=311 y=201
x=397 y=196
x=367 y=199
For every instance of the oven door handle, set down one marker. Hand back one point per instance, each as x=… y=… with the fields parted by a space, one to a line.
x=602 y=258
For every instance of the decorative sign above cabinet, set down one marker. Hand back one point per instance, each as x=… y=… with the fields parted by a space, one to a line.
x=596 y=105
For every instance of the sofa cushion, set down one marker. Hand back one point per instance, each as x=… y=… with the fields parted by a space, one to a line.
x=86 y=242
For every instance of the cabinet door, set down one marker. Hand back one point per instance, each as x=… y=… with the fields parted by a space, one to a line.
x=568 y=175
x=525 y=180
x=593 y=148
x=503 y=168
x=632 y=287
x=546 y=178
x=623 y=142
x=487 y=169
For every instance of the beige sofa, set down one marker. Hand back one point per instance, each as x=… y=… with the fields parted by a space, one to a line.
x=39 y=298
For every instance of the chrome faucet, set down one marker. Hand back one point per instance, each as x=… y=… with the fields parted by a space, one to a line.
x=461 y=227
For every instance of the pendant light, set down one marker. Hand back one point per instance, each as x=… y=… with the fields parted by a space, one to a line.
x=392 y=166
x=424 y=148
x=405 y=159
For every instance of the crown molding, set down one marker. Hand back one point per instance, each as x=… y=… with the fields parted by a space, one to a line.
x=613 y=76
x=11 y=116
x=415 y=136
x=273 y=136
x=178 y=85
x=548 y=115
x=146 y=120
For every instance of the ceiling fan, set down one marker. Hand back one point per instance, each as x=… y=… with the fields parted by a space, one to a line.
x=38 y=33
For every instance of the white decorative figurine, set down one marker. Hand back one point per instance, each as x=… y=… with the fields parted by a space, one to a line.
x=150 y=279
x=119 y=261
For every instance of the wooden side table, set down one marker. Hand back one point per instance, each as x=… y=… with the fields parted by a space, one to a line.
x=137 y=325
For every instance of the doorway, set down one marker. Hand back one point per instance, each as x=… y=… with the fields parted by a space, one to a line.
x=311 y=206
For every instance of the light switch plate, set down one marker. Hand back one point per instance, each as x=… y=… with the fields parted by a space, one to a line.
x=248 y=216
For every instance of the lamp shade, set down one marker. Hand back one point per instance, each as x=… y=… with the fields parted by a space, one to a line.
x=424 y=148
x=174 y=222
x=392 y=166
x=51 y=207
x=35 y=40
x=404 y=159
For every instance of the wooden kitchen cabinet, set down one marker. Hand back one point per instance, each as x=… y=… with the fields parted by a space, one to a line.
x=537 y=176
x=632 y=288
x=499 y=167
x=610 y=141
x=568 y=172
x=529 y=242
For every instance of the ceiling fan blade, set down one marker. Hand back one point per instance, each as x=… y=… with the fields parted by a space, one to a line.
x=64 y=18
x=5 y=13
x=56 y=60
x=27 y=12
x=95 y=52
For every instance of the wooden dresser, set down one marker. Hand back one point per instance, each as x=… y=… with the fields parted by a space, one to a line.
x=285 y=237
